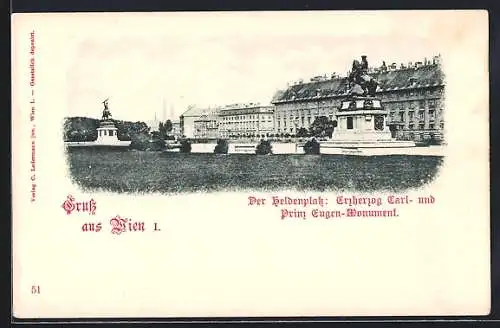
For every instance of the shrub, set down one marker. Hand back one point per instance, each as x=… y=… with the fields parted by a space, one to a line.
x=312 y=147
x=221 y=147
x=80 y=129
x=264 y=147
x=156 y=144
x=143 y=141
x=433 y=141
x=322 y=126
x=139 y=141
x=185 y=146
x=302 y=132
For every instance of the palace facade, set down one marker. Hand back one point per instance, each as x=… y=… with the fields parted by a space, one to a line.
x=234 y=121
x=198 y=122
x=246 y=120
x=206 y=126
x=413 y=94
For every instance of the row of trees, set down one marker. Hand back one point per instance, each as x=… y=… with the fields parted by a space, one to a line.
x=85 y=129
x=321 y=127
x=78 y=129
x=265 y=147
x=138 y=133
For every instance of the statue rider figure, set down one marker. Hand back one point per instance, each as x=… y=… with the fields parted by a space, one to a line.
x=106 y=114
x=364 y=84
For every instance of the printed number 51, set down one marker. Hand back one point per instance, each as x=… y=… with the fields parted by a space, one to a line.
x=35 y=289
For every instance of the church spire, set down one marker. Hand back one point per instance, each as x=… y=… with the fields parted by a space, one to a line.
x=171 y=115
x=163 y=109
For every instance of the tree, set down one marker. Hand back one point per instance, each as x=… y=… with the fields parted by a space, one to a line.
x=165 y=128
x=264 y=148
x=168 y=126
x=127 y=130
x=302 y=132
x=312 y=147
x=322 y=126
x=185 y=146
x=80 y=129
x=161 y=130
x=146 y=141
x=222 y=147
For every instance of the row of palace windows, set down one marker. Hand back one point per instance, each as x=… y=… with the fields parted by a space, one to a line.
x=246 y=117
x=399 y=95
x=305 y=111
x=431 y=114
x=248 y=128
x=232 y=124
x=245 y=130
x=300 y=120
x=285 y=130
x=411 y=114
x=206 y=126
x=414 y=92
x=432 y=103
x=432 y=126
x=245 y=122
x=421 y=126
x=297 y=116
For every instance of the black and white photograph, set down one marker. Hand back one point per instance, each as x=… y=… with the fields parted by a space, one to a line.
x=177 y=165
x=246 y=108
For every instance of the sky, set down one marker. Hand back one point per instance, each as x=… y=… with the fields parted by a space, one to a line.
x=149 y=65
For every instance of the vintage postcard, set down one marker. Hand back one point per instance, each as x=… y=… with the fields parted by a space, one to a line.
x=250 y=164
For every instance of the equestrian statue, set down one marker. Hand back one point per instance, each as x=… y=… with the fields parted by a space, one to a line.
x=362 y=83
x=106 y=114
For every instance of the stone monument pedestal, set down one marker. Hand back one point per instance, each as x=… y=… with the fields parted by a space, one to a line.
x=361 y=119
x=362 y=123
x=107 y=133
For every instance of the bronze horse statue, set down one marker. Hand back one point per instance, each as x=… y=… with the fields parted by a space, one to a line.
x=106 y=114
x=364 y=84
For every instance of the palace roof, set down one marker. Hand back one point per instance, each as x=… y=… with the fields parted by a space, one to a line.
x=389 y=80
x=224 y=110
x=197 y=111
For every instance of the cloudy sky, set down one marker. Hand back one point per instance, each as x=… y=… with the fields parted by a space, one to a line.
x=156 y=63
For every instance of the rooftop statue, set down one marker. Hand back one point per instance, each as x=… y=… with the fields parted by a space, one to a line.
x=362 y=83
x=106 y=114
